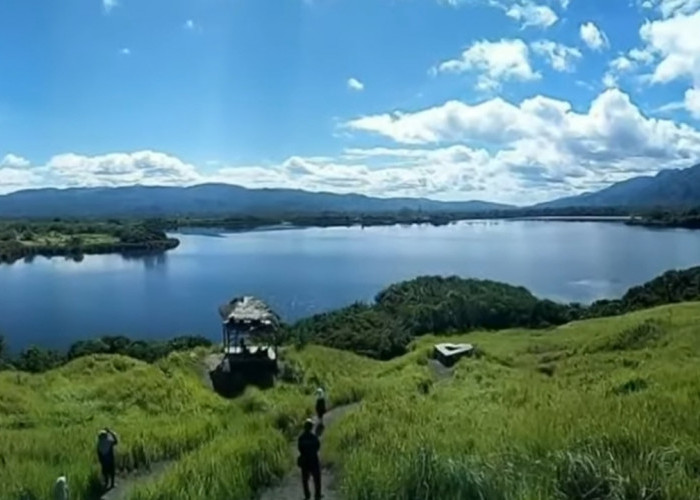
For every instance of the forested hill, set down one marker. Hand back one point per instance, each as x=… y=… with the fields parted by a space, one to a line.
x=209 y=199
x=439 y=305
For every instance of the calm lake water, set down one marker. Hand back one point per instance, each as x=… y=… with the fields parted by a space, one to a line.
x=54 y=302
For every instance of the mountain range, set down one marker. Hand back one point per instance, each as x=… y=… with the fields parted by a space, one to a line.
x=668 y=188
x=210 y=200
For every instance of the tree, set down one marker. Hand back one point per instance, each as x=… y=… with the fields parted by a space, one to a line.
x=36 y=360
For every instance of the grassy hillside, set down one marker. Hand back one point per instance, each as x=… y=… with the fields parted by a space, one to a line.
x=597 y=409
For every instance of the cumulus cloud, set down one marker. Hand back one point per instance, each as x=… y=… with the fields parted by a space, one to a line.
x=14 y=161
x=616 y=68
x=355 y=84
x=13 y=179
x=116 y=169
x=532 y=15
x=494 y=61
x=593 y=36
x=612 y=140
x=675 y=46
x=559 y=56
x=669 y=8
x=676 y=43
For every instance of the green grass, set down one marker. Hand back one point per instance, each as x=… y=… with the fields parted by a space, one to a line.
x=60 y=240
x=615 y=416
x=599 y=409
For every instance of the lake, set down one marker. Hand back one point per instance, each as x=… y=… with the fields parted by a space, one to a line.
x=53 y=302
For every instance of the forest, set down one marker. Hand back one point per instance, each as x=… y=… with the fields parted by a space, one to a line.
x=75 y=238
x=688 y=219
x=436 y=305
x=37 y=359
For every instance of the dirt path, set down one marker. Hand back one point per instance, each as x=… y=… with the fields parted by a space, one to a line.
x=289 y=487
x=127 y=482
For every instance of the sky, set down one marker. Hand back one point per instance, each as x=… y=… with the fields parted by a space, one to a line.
x=515 y=101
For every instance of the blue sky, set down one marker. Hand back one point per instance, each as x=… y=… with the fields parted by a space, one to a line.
x=509 y=100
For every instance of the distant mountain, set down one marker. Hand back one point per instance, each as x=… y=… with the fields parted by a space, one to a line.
x=209 y=199
x=668 y=188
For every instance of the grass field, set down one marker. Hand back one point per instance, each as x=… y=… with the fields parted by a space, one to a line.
x=601 y=409
x=60 y=240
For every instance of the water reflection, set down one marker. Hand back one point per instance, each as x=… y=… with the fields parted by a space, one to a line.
x=151 y=260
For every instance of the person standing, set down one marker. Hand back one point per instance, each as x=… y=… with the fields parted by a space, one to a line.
x=106 y=441
x=320 y=404
x=308 y=461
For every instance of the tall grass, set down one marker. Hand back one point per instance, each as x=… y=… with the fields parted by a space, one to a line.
x=613 y=416
x=505 y=430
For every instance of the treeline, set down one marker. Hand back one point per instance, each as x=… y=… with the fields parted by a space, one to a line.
x=37 y=359
x=439 y=305
x=22 y=239
x=429 y=305
x=688 y=219
x=329 y=219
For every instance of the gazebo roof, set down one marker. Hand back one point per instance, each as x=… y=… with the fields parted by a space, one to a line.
x=248 y=312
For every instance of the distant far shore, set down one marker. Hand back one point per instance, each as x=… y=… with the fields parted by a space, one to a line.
x=74 y=238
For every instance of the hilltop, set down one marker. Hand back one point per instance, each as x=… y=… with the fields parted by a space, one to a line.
x=601 y=408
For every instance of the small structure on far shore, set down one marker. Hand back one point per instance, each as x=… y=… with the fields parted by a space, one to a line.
x=449 y=354
x=250 y=331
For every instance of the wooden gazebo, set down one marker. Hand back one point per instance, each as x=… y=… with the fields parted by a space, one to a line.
x=249 y=327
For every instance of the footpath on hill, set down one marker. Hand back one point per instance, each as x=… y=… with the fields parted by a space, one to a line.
x=289 y=487
x=125 y=484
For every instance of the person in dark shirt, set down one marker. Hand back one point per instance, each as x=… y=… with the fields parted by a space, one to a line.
x=106 y=441
x=308 y=460
x=320 y=404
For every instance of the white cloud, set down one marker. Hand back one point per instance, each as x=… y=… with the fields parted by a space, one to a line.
x=531 y=151
x=677 y=44
x=190 y=25
x=532 y=15
x=495 y=61
x=355 y=84
x=593 y=36
x=14 y=161
x=622 y=64
x=692 y=102
x=125 y=51
x=670 y=8
x=560 y=57
x=564 y=4
x=13 y=179
x=641 y=56
x=108 y=5
x=671 y=106
x=616 y=68
x=143 y=167
x=609 y=80
x=545 y=140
